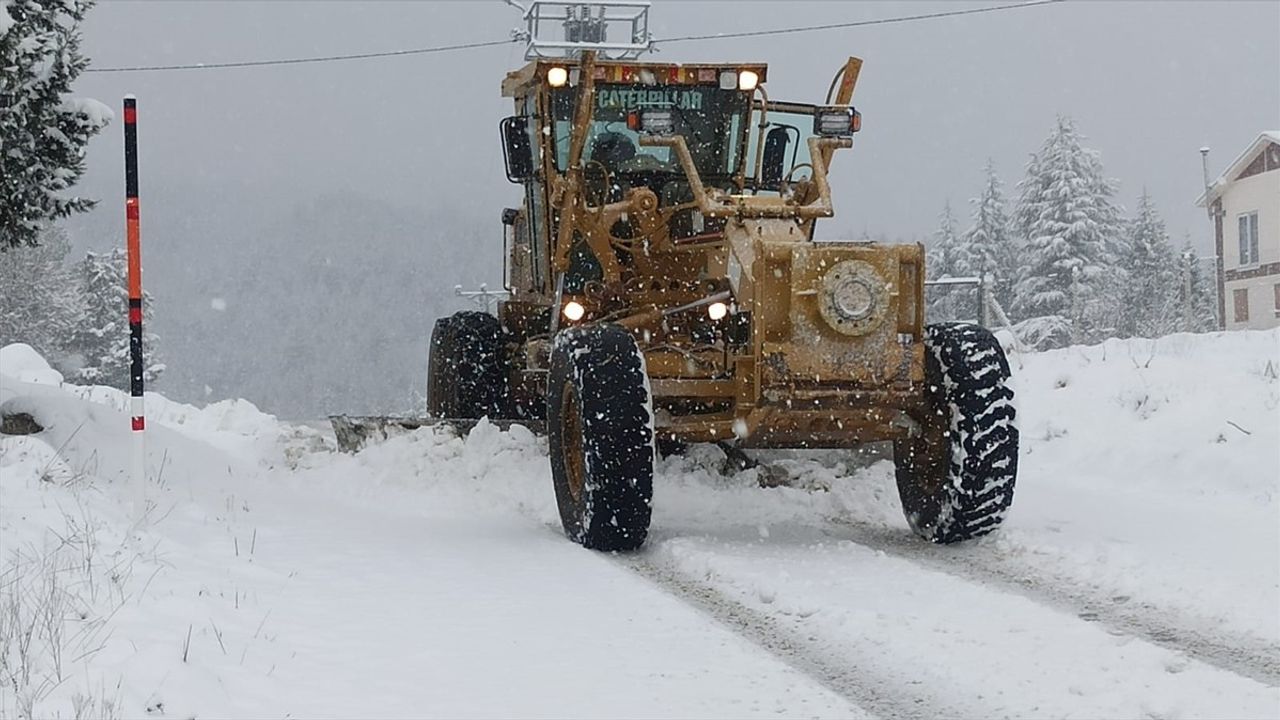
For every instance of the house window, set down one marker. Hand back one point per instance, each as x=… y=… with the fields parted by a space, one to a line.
x=1241 y=298
x=1249 y=239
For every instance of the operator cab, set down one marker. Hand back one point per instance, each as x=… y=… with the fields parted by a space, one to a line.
x=715 y=108
x=632 y=169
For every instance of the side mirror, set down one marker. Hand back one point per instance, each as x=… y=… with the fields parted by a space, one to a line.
x=775 y=157
x=517 y=152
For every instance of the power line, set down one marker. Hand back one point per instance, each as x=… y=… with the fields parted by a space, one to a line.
x=860 y=23
x=494 y=43
x=302 y=61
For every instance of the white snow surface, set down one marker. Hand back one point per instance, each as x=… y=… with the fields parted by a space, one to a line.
x=1137 y=575
x=21 y=362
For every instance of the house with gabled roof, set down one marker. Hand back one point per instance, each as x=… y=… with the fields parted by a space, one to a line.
x=1244 y=203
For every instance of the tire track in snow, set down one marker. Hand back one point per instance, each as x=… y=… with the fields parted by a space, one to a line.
x=1252 y=658
x=861 y=683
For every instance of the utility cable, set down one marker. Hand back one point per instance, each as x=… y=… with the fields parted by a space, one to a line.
x=301 y=61
x=495 y=43
x=859 y=23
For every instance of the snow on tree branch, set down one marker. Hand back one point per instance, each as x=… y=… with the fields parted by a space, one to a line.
x=43 y=131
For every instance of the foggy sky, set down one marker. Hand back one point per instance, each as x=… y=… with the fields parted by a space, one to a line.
x=226 y=154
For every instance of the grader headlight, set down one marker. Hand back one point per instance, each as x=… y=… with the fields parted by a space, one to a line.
x=557 y=76
x=739 y=80
x=573 y=311
x=853 y=297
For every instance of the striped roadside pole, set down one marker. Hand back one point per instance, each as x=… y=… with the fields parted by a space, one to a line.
x=133 y=236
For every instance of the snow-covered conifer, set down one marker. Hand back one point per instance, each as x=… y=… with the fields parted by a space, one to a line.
x=987 y=248
x=942 y=256
x=1151 y=303
x=945 y=260
x=1203 y=306
x=1070 y=227
x=43 y=131
x=102 y=341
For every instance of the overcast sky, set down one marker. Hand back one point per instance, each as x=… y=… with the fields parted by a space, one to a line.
x=1149 y=83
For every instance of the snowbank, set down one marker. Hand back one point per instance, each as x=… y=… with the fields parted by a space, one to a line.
x=1150 y=471
x=1190 y=414
x=21 y=362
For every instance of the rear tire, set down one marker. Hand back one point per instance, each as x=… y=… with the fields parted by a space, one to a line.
x=956 y=480
x=600 y=432
x=466 y=368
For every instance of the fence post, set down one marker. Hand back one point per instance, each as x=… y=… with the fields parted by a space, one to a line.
x=984 y=300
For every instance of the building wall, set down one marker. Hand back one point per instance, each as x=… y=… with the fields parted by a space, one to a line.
x=1261 y=294
x=1259 y=193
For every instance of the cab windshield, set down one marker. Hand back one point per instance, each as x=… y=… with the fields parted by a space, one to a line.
x=710 y=120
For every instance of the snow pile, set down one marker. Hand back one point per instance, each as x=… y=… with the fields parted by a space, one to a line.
x=93 y=605
x=21 y=362
x=235 y=426
x=1150 y=471
x=1188 y=414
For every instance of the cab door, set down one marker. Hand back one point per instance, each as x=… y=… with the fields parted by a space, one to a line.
x=778 y=153
x=536 y=202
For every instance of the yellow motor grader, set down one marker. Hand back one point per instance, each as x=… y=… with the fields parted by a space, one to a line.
x=666 y=288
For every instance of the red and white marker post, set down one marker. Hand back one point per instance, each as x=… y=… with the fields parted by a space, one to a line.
x=134 y=254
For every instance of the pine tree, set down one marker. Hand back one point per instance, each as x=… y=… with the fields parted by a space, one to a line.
x=1071 y=231
x=944 y=260
x=43 y=131
x=40 y=302
x=102 y=341
x=987 y=248
x=1151 y=293
x=1202 y=308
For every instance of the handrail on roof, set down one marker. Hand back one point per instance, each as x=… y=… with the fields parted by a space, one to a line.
x=558 y=29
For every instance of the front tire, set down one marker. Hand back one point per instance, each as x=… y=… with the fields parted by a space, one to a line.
x=956 y=480
x=600 y=432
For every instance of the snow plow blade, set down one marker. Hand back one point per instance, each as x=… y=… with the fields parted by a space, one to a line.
x=355 y=431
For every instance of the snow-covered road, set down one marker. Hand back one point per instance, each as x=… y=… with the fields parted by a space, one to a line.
x=1138 y=574
x=482 y=615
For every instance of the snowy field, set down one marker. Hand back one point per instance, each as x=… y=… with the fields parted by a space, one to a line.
x=1138 y=574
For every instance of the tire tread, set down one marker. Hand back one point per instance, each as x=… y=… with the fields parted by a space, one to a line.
x=968 y=375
